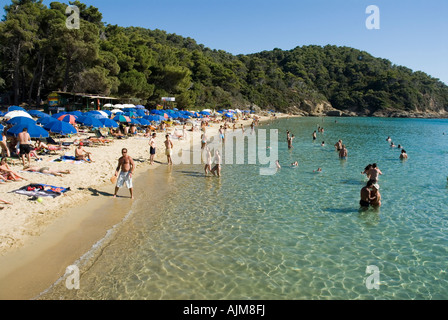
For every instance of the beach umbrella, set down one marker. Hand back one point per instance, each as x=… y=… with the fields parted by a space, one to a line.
x=144 y=122
x=68 y=118
x=91 y=122
x=98 y=113
x=37 y=113
x=140 y=107
x=154 y=117
x=228 y=115
x=116 y=111
x=130 y=114
x=118 y=106
x=17 y=113
x=20 y=120
x=135 y=121
x=96 y=116
x=57 y=115
x=46 y=120
x=34 y=130
x=140 y=113
x=76 y=113
x=108 y=123
x=121 y=118
x=60 y=127
x=108 y=105
x=16 y=108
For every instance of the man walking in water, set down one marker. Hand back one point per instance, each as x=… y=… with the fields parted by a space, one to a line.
x=343 y=153
x=217 y=167
x=374 y=172
x=169 y=149
x=127 y=166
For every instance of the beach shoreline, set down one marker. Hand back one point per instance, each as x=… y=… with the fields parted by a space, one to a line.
x=35 y=231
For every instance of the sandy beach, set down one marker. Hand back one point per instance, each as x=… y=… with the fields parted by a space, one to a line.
x=28 y=228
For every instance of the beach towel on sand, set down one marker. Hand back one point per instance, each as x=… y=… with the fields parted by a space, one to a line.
x=41 y=190
x=68 y=159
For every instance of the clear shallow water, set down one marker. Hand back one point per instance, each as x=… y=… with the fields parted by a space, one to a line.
x=293 y=235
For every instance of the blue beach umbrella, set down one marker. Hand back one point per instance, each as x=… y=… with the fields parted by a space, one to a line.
x=20 y=120
x=60 y=127
x=96 y=116
x=140 y=113
x=135 y=121
x=34 y=130
x=46 y=120
x=205 y=113
x=57 y=115
x=91 y=122
x=108 y=123
x=228 y=115
x=16 y=108
x=156 y=118
x=37 y=113
x=76 y=113
x=144 y=122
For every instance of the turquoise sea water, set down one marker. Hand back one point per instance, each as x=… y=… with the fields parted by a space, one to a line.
x=293 y=235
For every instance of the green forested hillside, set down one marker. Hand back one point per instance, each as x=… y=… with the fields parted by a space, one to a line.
x=39 y=54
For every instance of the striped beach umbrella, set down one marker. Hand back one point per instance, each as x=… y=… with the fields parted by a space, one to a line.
x=68 y=118
x=122 y=118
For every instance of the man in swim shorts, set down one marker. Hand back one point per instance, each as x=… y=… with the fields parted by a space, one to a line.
x=25 y=146
x=169 y=149
x=343 y=152
x=152 y=148
x=127 y=167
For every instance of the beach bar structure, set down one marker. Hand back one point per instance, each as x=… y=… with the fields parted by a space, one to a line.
x=69 y=101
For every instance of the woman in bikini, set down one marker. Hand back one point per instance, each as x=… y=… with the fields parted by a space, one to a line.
x=7 y=173
x=46 y=170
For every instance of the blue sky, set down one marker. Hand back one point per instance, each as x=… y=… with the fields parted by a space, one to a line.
x=413 y=33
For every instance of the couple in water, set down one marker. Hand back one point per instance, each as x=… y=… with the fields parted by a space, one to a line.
x=370 y=194
x=216 y=170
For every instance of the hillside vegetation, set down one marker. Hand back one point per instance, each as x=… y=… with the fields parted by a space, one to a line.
x=39 y=54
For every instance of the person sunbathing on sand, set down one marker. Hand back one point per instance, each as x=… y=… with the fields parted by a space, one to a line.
x=46 y=170
x=40 y=146
x=7 y=173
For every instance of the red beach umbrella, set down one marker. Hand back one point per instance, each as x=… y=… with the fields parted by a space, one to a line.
x=68 y=118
